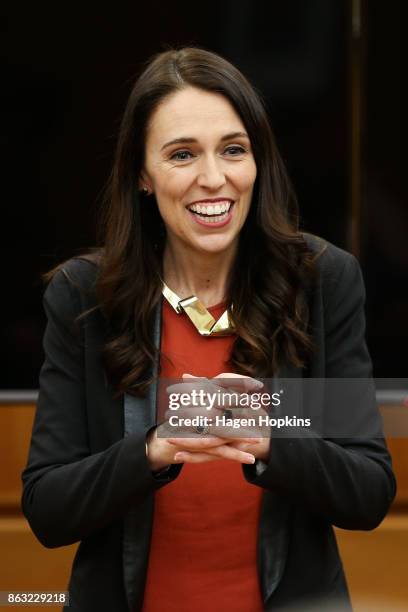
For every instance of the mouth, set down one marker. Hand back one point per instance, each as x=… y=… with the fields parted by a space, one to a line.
x=213 y=214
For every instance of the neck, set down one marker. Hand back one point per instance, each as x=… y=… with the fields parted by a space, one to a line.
x=203 y=275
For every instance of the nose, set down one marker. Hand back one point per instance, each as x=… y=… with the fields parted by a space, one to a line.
x=210 y=173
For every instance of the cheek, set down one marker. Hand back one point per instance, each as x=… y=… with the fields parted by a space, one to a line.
x=169 y=192
x=245 y=180
x=173 y=184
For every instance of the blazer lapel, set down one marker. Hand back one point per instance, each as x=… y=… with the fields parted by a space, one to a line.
x=273 y=542
x=274 y=526
x=139 y=414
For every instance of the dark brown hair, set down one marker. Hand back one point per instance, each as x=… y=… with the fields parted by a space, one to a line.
x=268 y=279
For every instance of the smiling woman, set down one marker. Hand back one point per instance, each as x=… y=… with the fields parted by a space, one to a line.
x=195 y=133
x=202 y=177
x=201 y=275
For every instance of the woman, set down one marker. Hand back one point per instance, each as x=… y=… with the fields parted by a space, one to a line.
x=199 y=205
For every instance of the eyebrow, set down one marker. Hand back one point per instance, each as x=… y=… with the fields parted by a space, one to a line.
x=187 y=139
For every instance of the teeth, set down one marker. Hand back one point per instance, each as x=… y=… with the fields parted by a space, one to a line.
x=215 y=218
x=204 y=209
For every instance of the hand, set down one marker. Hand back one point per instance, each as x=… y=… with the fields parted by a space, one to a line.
x=163 y=451
x=260 y=451
x=221 y=445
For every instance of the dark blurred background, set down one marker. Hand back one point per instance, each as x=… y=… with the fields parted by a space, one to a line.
x=331 y=73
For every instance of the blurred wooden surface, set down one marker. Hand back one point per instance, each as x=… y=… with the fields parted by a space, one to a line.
x=15 y=432
x=26 y=565
x=398 y=448
x=376 y=562
x=376 y=565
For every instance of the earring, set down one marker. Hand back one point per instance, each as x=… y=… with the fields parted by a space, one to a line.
x=145 y=191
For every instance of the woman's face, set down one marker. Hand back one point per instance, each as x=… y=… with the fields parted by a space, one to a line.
x=200 y=167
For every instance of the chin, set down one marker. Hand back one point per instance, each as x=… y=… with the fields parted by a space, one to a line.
x=214 y=244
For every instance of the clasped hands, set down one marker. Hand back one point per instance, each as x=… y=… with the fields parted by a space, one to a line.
x=165 y=449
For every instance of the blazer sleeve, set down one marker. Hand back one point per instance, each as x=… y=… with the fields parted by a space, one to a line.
x=69 y=493
x=348 y=482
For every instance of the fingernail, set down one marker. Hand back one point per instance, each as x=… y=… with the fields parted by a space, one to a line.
x=250 y=458
x=178 y=456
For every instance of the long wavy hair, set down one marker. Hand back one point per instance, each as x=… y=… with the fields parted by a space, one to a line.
x=273 y=263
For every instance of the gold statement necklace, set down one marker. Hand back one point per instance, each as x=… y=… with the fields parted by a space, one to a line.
x=203 y=321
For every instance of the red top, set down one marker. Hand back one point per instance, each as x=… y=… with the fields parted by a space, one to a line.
x=203 y=545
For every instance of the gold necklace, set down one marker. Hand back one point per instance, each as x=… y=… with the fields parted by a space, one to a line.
x=203 y=321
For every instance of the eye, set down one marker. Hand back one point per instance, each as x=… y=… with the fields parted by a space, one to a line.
x=235 y=150
x=182 y=155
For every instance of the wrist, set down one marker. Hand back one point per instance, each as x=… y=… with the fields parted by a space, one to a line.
x=153 y=454
x=262 y=450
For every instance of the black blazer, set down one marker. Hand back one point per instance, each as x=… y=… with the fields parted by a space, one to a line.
x=88 y=479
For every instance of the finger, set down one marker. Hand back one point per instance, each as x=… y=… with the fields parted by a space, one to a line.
x=239 y=433
x=243 y=440
x=190 y=442
x=238 y=381
x=242 y=446
x=197 y=384
x=219 y=393
x=186 y=457
x=217 y=410
x=197 y=443
x=223 y=431
x=233 y=454
x=189 y=413
x=260 y=452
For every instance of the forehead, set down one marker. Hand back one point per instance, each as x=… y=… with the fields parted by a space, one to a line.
x=193 y=112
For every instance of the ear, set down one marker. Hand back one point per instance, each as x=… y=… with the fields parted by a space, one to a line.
x=144 y=183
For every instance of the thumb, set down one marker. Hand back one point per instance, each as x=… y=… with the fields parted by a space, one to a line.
x=242 y=446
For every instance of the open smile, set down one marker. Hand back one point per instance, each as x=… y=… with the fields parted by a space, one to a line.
x=215 y=214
